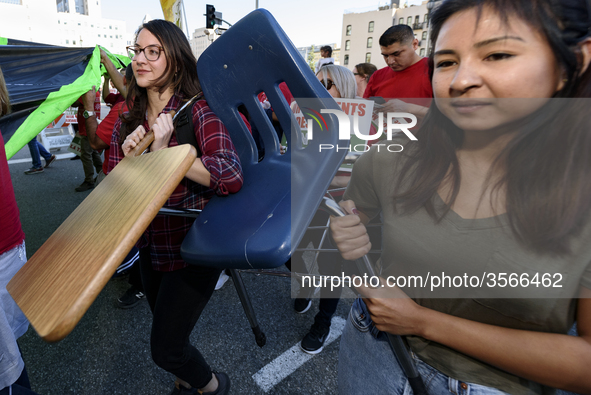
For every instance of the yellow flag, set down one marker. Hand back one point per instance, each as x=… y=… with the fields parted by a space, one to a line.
x=172 y=11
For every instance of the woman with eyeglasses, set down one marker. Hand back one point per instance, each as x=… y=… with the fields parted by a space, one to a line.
x=362 y=73
x=165 y=77
x=497 y=188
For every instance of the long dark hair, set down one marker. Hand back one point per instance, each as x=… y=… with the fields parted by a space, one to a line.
x=546 y=166
x=180 y=72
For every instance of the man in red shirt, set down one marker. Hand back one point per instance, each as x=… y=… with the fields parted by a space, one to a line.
x=405 y=77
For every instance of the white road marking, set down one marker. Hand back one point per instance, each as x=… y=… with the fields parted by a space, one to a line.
x=287 y=363
x=57 y=157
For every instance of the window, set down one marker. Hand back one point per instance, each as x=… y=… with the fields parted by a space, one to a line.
x=401 y=21
x=99 y=36
x=79 y=24
x=426 y=18
x=111 y=27
x=417 y=19
x=67 y=41
x=104 y=35
x=91 y=25
x=348 y=30
x=74 y=42
x=368 y=57
x=422 y=52
x=425 y=35
x=17 y=2
x=347 y=45
x=62 y=6
x=58 y=22
x=370 y=27
x=346 y=61
x=369 y=42
x=80 y=7
x=409 y=20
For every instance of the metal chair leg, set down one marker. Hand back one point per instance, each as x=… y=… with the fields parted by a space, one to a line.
x=259 y=335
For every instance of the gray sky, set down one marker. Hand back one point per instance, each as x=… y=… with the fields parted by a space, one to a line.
x=305 y=22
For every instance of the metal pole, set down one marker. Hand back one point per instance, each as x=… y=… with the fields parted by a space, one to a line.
x=186 y=24
x=256 y=4
x=396 y=343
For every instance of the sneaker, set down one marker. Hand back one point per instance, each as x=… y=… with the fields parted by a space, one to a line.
x=223 y=387
x=50 y=161
x=85 y=186
x=222 y=280
x=314 y=340
x=34 y=170
x=301 y=305
x=130 y=298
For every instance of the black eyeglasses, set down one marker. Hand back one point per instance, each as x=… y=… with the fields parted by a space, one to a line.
x=151 y=52
x=329 y=84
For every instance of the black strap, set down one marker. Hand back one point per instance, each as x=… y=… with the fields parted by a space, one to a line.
x=184 y=128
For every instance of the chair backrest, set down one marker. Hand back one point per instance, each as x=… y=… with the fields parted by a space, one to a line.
x=262 y=224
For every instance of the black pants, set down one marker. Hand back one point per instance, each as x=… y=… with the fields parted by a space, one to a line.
x=329 y=263
x=20 y=387
x=177 y=299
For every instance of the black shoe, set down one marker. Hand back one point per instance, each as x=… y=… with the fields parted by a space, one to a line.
x=301 y=305
x=75 y=157
x=314 y=340
x=34 y=170
x=85 y=186
x=223 y=387
x=130 y=298
x=50 y=161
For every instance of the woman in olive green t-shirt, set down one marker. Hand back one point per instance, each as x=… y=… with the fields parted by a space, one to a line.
x=496 y=187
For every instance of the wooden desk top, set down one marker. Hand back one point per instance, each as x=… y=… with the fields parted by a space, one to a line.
x=59 y=283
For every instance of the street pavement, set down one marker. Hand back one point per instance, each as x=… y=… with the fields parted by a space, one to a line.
x=109 y=352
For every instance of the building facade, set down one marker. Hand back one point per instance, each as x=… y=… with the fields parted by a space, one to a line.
x=201 y=39
x=68 y=23
x=336 y=52
x=362 y=29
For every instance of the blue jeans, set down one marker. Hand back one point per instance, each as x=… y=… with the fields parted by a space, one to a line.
x=367 y=364
x=35 y=148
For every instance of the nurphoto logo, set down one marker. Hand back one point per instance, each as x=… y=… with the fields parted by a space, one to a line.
x=396 y=122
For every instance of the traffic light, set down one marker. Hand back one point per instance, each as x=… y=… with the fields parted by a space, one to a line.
x=212 y=17
x=209 y=16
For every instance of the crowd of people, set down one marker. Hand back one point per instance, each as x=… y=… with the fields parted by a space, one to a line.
x=498 y=177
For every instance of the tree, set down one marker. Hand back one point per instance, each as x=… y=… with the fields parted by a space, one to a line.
x=311 y=58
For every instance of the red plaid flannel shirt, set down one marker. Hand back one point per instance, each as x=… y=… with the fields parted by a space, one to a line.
x=166 y=233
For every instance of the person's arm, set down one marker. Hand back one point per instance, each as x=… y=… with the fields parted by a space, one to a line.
x=555 y=360
x=397 y=105
x=91 y=123
x=219 y=167
x=106 y=88
x=114 y=74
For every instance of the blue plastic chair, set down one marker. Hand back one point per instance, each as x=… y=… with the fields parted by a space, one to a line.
x=260 y=226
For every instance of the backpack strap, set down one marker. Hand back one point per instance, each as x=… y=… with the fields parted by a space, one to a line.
x=184 y=125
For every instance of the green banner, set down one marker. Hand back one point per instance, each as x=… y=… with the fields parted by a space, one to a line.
x=57 y=102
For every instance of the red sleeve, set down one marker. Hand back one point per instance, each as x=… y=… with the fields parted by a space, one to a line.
x=218 y=153
x=369 y=88
x=286 y=92
x=111 y=99
x=105 y=128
